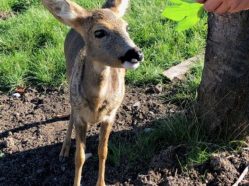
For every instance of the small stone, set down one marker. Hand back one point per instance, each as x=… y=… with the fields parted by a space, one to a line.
x=16 y=95
x=158 y=88
x=140 y=116
x=151 y=113
x=147 y=130
x=39 y=171
x=16 y=114
x=209 y=177
x=172 y=111
x=10 y=142
x=137 y=105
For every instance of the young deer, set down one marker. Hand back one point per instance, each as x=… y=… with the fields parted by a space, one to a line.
x=97 y=50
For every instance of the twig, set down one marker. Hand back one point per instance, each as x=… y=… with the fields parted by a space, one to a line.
x=62 y=116
x=244 y=173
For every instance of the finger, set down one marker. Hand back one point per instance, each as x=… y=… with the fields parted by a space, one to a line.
x=235 y=6
x=238 y=6
x=223 y=8
x=212 y=5
x=235 y=10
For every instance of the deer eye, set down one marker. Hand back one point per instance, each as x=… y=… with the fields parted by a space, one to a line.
x=100 y=33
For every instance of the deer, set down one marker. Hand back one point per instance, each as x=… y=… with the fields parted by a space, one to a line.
x=98 y=50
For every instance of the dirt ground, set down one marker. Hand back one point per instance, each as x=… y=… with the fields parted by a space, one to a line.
x=33 y=126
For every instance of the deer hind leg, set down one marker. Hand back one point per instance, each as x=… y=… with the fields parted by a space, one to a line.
x=80 y=130
x=105 y=131
x=67 y=141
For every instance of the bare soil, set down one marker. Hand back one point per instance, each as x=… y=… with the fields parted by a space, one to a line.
x=33 y=126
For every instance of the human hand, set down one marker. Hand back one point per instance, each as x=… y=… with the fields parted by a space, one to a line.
x=225 y=6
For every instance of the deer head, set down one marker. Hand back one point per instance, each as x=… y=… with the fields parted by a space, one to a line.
x=103 y=30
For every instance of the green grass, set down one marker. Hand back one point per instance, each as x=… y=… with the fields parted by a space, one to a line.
x=184 y=93
x=162 y=45
x=179 y=131
x=168 y=132
x=31 y=43
x=31 y=54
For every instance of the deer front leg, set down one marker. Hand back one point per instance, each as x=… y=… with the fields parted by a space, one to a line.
x=105 y=131
x=67 y=141
x=80 y=130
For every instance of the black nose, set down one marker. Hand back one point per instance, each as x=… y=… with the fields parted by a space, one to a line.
x=133 y=55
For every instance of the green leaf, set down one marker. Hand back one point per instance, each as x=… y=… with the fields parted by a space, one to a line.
x=175 y=13
x=186 y=12
x=187 y=23
x=179 y=12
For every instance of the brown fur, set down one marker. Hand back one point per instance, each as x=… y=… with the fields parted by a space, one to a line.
x=96 y=80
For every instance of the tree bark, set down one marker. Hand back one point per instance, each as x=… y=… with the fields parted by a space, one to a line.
x=223 y=96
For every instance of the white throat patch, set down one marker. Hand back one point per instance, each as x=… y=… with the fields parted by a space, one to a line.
x=129 y=65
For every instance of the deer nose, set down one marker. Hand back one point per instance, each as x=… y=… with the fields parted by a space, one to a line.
x=133 y=55
x=138 y=54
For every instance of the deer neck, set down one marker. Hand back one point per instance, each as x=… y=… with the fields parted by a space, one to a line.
x=96 y=73
x=100 y=80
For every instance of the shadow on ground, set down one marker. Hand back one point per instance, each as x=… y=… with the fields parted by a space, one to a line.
x=41 y=165
x=32 y=130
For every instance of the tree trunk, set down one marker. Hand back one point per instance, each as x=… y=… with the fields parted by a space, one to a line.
x=223 y=96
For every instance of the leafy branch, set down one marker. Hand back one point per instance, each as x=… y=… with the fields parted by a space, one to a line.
x=186 y=12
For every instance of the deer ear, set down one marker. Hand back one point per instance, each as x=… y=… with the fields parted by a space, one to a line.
x=119 y=7
x=66 y=11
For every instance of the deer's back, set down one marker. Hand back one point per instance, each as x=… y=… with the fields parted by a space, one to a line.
x=73 y=45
